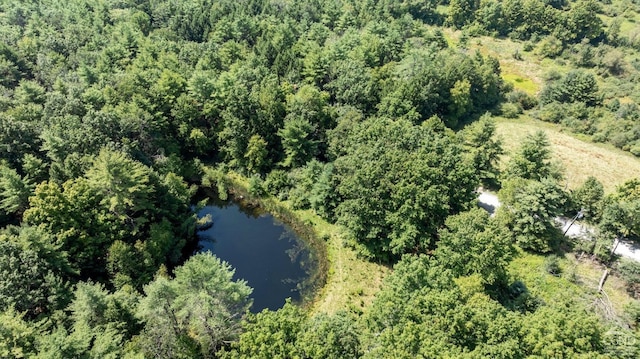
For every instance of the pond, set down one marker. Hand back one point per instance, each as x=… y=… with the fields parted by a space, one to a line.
x=262 y=250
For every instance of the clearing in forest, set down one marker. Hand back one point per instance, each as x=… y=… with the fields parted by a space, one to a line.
x=579 y=158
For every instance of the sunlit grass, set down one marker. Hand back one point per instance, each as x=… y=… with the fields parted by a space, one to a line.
x=351 y=283
x=578 y=281
x=521 y=83
x=578 y=158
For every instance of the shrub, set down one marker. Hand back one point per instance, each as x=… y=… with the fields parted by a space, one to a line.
x=630 y=272
x=552 y=265
x=278 y=183
x=632 y=310
x=523 y=99
x=510 y=110
x=256 y=187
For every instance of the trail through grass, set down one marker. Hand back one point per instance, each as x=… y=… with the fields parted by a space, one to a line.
x=351 y=283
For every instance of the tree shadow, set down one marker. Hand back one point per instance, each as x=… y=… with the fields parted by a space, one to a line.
x=515 y=297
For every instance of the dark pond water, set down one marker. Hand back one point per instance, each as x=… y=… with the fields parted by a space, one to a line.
x=263 y=251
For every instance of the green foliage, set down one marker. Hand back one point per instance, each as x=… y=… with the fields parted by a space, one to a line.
x=270 y=334
x=14 y=191
x=17 y=336
x=472 y=244
x=620 y=210
x=546 y=331
x=532 y=161
x=528 y=210
x=256 y=155
x=483 y=149
x=313 y=187
x=588 y=198
x=433 y=82
x=277 y=183
x=216 y=178
x=422 y=310
x=195 y=313
x=576 y=86
x=122 y=183
x=552 y=265
x=461 y=12
x=297 y=141
x=104 y=105
x=397 y=183
x=630 y=272
x=632 y=310
x=33 y=273
x=582 y=21
x=119 y=199
x=256 y=186
x=330 y=336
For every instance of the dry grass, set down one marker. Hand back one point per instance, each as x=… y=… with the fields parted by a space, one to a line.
x=579 y=159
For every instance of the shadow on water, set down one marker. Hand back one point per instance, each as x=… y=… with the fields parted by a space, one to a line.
x=262 y=250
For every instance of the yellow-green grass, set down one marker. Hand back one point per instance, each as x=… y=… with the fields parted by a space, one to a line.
x=521 y=83
x=628 y=24
x=589 y=274
x=583 y=287
x=578 y=158
x=524 y=74
x=351 y=283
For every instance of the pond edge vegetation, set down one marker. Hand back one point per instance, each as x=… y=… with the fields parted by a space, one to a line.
x=237 y=186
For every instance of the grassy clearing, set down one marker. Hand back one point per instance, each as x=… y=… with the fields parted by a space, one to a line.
x=524 y=73
x=350 y=282
x=579 y=280
x=579 y=158
x=529 y=268
x=521 y=83
x=589 y=274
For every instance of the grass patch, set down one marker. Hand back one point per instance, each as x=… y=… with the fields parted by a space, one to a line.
x=589 y=273
x=520 y=83
x=579 y=158
x=583 y=287
x=529 y=268
x=351 y=282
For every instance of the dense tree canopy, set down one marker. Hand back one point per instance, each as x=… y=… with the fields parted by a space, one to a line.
x=397 y=182
x=113 y=111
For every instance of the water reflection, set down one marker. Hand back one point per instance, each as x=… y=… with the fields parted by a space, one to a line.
x=264 y=252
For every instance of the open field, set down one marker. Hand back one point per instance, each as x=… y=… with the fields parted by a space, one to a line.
x=579 y=159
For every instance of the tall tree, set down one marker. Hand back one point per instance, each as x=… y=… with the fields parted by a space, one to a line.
x=528 y=210
x=473 y=244
x=14 y=191
x=397 y=183
x=532 y=160
x=196 y=313
x=483 y=149
x=588 y=198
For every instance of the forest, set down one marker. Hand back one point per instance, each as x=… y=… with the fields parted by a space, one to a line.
x=376 y=118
